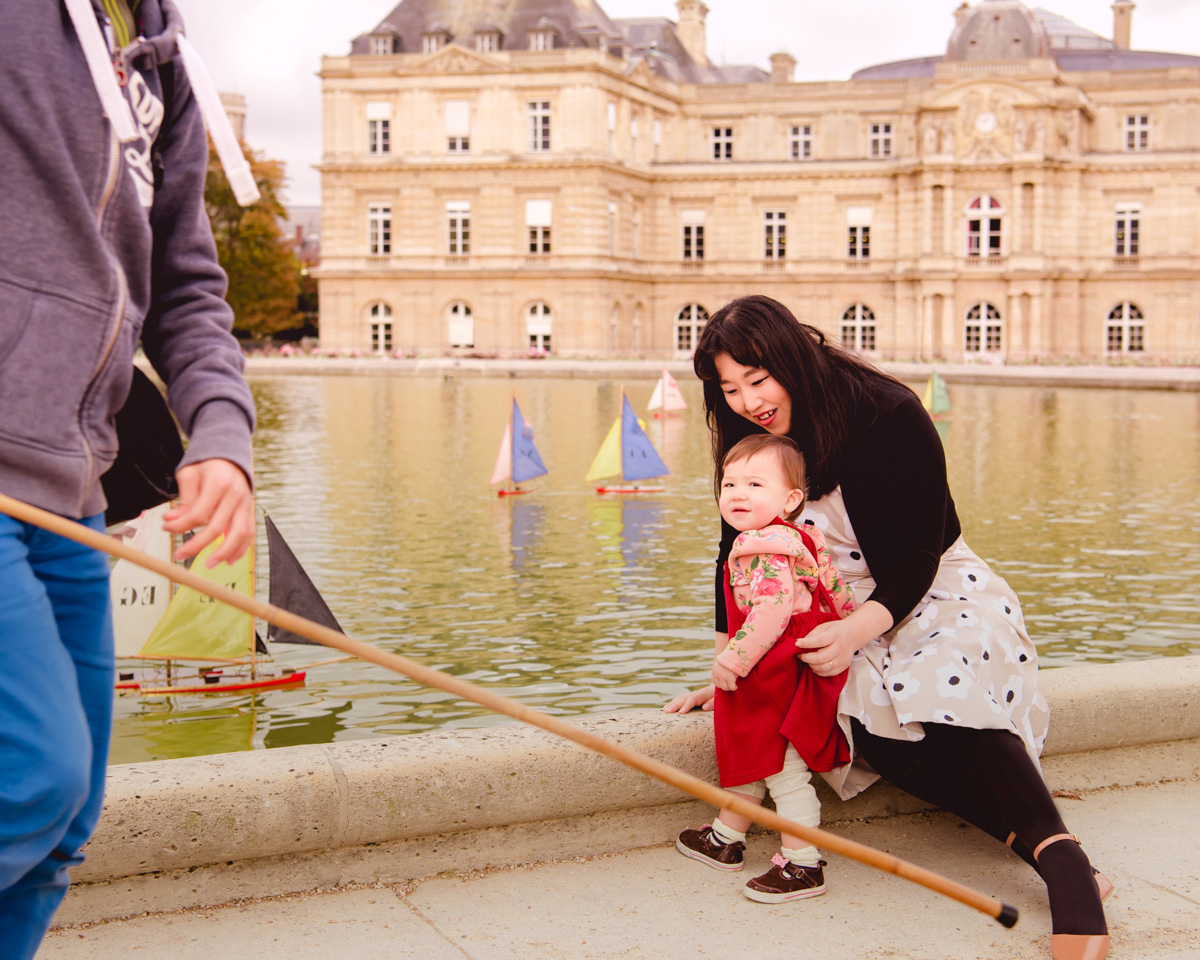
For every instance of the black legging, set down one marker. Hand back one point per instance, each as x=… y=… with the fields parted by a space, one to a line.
x=987 y=778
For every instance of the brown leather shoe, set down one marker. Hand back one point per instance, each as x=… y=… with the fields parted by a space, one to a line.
x=703 y=845
x=786 y=881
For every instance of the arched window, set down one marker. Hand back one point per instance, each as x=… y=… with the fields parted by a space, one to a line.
x=1125 y=331
x=688 y=323
x=460 y=325
x=538 y=319
x=858 y=328
x=984 y=331
x=985 y=218
x=380 y=319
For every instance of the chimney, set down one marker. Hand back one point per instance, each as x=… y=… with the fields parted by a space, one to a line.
x=691 y=29
x=1122 y=23
x=961 y=14
x=783 y=66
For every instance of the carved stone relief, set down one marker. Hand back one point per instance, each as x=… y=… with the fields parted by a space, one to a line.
x=987 y=119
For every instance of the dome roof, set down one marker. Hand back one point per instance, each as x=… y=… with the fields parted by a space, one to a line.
x=998 y=30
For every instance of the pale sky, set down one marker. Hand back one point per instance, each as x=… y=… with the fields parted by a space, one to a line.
x=270 y=50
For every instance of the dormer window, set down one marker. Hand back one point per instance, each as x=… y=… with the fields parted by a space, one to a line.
x=433 y=39
x=381 y=45
x=542 y=39
x=487 y=41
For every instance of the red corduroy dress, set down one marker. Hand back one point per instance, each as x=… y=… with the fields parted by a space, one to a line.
x=780 y=701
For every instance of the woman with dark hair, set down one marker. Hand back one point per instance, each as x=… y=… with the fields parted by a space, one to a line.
x=941 y=696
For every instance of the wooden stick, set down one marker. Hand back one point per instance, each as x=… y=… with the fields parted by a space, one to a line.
x=694 y=786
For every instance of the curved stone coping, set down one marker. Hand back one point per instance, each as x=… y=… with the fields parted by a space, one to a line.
x=181 y=814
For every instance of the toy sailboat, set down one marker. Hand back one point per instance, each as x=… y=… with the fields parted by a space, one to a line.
x=628 y=453
x=196 y=644
x=666 y=396
x=936 y=399
x=518 y=458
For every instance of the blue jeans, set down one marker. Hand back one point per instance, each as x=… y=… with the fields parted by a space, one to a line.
x=56 y=696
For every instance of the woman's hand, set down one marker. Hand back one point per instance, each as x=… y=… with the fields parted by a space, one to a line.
x=829 y=647
x=723 y=678
x=689 y=701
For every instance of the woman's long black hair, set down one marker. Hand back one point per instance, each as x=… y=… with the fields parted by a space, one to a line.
x=829 y=387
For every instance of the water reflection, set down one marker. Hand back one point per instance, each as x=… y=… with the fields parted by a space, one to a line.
x=1087 y=501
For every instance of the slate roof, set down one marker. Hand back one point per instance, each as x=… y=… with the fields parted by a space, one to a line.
x=1075 y=49
x=653 y=39
x=515 y=19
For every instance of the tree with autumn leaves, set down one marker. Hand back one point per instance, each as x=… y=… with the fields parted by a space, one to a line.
x=264 y=274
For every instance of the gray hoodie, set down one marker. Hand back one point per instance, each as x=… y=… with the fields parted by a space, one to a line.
x=103 y=244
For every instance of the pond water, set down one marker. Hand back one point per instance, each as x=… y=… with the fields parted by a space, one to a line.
x=1087 y=501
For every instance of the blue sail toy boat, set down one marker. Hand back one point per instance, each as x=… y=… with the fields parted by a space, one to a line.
x=518 y=459
x=628 y=453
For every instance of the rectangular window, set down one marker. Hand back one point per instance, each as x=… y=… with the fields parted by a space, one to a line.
x=539 y=125
x=431 y=43
x=381 y=338
x=858 y=243
x=379 y=137
x=458 y=126
x=1137 y=132
x=379 y=229
x=693 y=234
x=774 y=235
x=538 y=214
x=381 y=46
x=487 y=42
x=379 y=122
x=722 y=143
x=983 y=237
x=858 y=232
x=541 y=40
x=801 y=142
x=881 y=141
x=1127 y=228
x=458 y=227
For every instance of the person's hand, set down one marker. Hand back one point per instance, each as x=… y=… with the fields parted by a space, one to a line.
x=829 y=647
x=215 y=495
x=723 y=678
x=689 y=701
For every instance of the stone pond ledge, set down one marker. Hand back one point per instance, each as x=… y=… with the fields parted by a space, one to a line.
x=210 y=830
x=1134 y=376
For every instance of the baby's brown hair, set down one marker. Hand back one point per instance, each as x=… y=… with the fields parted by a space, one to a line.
x=787 y=455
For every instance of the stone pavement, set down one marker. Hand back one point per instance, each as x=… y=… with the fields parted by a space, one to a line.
x=653 y=903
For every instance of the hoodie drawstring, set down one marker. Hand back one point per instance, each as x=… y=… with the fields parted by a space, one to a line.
x=152 y=53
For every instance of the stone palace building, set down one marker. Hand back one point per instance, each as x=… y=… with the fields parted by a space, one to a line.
x=507 y=176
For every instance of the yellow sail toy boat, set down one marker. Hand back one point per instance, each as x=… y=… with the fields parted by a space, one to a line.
x=628 y=453
x=192 y=643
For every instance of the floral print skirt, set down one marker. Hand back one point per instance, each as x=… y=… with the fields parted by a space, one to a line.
x=962 y=657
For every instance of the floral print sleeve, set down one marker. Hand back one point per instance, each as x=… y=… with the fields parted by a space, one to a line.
x=774 y=575
x=763 y=585
x=827 y=573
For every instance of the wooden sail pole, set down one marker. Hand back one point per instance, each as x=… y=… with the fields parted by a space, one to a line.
x=685 y=782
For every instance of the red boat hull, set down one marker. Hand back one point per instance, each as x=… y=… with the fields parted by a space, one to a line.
x=289 y=680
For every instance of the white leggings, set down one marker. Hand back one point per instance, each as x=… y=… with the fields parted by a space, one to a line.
x=795 y=799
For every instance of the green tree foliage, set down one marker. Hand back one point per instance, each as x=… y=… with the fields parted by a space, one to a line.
x=264 y=274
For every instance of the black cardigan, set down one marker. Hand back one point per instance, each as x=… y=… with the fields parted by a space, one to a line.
x=894 y=486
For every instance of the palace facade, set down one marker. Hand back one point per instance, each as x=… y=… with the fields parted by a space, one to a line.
x=508 y=176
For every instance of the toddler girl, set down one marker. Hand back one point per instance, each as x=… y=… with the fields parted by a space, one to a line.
x=775 y=720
